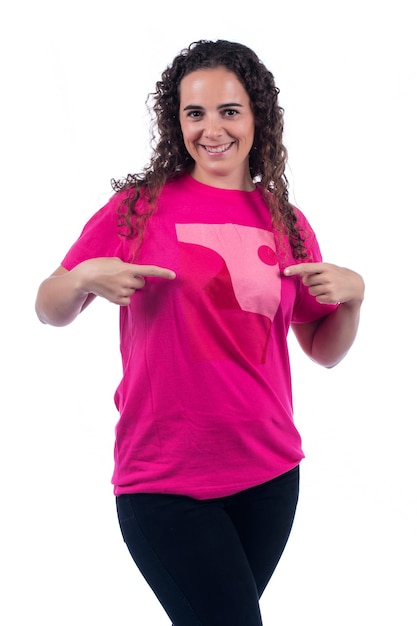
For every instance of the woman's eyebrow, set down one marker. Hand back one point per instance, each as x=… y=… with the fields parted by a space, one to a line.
x=220 y=106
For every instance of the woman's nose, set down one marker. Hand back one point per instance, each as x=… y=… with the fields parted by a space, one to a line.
x=212 y=128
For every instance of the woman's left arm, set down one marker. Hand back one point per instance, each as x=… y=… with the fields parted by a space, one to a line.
x=328 y=339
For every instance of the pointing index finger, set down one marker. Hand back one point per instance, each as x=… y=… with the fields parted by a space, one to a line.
x=154 y=270
x=303 y=268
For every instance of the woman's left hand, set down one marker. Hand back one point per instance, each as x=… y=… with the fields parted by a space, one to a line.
x=328 y=283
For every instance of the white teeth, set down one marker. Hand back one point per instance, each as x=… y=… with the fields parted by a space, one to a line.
x=217 y=149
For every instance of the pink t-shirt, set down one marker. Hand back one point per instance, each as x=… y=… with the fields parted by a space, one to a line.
x=205 y=400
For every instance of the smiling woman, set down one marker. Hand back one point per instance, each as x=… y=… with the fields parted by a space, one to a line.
x=205 y=256
x=218 y=127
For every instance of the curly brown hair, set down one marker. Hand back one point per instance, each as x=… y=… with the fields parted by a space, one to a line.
x=170 y=158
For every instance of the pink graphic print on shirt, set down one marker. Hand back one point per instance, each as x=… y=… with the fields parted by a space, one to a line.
x=231 y=289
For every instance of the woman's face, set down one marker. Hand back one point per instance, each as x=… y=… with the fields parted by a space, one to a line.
x=218 y=127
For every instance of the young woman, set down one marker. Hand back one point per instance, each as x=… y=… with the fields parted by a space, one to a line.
x=210 y=265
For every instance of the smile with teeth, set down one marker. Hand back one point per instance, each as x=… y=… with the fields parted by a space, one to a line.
x=218 y=149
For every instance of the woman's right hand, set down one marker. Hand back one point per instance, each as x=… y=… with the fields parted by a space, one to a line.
x=114 y=280
x=64 y=294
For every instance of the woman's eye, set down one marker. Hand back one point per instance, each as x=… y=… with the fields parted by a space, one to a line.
x=230 y=112
x=196 y=115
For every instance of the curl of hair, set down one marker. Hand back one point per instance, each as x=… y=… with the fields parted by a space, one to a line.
x=169 y=159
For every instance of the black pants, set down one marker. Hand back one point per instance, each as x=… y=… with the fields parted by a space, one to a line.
x=208 y=561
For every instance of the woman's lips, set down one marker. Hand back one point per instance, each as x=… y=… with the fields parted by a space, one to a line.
x=218 y=149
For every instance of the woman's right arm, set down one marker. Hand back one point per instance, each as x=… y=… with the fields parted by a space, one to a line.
x=64 y=294
x=61 y=298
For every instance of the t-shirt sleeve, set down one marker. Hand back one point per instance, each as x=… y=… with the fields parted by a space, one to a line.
x=306 y=307
x=100 y=237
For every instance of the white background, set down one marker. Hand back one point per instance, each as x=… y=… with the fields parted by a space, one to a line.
x=74 y=78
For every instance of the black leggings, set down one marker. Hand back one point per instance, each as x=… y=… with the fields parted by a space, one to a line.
x=208 y=561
